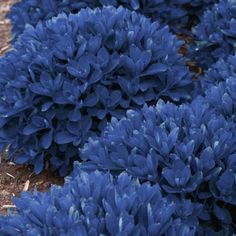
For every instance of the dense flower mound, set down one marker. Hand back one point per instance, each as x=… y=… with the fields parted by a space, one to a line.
x=188 y=150
x=218 y=72
x=104 y=83
x=99 y=204
x=222 y=97
x=216 y=33
x=172 y=12
x=218 y=87
x=65 y=78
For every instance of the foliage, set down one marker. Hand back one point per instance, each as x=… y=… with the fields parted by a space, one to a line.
x=76 y=72
x=189 y=150
x=99 y=204
x=222 y=98
x=171 y=12
x=218 y=72
x=216 y=34
x=108 y=87
x=218 y=87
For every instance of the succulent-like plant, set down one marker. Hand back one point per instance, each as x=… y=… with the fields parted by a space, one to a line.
x=215 y=35
x=171 y=166
x=99 y=204
x=222 y=98
x=175 y=13
x=177 y=146
x=189 y=150
x=224 y=187
x=218 y=87
x=67 y=76
x=218 y=72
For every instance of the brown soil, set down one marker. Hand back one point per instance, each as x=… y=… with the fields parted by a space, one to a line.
x=5 y=26
x=183 y=50
x=16 y=178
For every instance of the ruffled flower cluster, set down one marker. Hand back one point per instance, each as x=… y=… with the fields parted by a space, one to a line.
x=99 y=204
x=103 y=84
x=175 y=13
x=188 y=150
x=76 y=72
x=216 y=34
x=182 y=137
x=218 y=72
x=219 y=87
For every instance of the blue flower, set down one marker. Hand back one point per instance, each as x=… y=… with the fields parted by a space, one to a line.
x=223 y=187
x=180 y=179
x=188 y=211
x=215 y=34
x=218 y=72
x=222 y=97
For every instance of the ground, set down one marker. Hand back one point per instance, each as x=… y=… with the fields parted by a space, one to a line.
x=16 y=178
x=5 y=26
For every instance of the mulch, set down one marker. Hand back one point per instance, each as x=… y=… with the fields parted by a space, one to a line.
x=17 y=178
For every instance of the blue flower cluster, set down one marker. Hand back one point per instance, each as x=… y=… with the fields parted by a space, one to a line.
x=66 y=77
x=216 y=34
x=175 y=13
x=218 y=72
x=103 y=84
x=99 y=204
x=219 y=87
x=187 y=149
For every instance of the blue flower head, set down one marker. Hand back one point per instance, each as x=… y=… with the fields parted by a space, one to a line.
x=222 y=97
x=215 y=34
x=218 y=72
x=218 y=87
x=224 y=187
x=179 y=178
x=189 y=150
x=69 y=75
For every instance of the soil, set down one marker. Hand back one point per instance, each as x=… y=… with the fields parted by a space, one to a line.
x=5 y=26
x=16 y=178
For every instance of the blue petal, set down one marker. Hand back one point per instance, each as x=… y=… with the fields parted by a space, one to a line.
x=64 y=137
x=46 y=139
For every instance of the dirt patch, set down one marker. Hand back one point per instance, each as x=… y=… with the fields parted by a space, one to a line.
x=5 y=26
x=16 y=178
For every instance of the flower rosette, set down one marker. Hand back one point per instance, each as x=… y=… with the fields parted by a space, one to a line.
x=218 y=72
x=218 y=87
